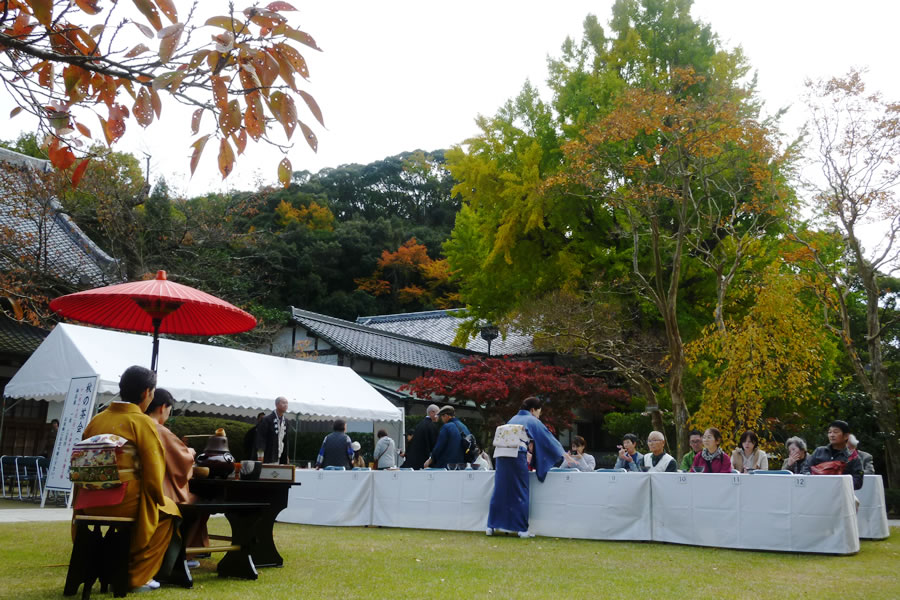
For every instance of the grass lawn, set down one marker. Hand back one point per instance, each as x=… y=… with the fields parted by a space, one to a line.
x=332 y=562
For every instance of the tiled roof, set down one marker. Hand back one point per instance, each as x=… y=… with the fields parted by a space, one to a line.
x=440 y=326
x=37 y=225
x=19 y=338
x=367 y=342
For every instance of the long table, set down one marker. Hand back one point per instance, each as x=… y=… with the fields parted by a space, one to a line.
x=330 y=498
x=763 y=512
x=593 y=506
x=872 y=515
x=455 y=500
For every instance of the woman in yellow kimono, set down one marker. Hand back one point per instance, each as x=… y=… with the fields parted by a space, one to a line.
x=143 y=498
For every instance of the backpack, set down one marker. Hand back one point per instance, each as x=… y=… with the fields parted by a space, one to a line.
x=468 y=444
x=95 y=461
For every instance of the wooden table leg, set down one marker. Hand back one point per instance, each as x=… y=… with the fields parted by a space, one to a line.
x=239 y=563
x=265 y=554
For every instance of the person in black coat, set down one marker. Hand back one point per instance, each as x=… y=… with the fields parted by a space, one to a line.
x=250 y=439
x=271 y=435
x=424 y=437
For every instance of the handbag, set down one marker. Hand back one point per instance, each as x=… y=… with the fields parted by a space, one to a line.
x=832 y=467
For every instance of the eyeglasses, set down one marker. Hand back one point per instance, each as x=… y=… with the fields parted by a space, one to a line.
x=651 y=441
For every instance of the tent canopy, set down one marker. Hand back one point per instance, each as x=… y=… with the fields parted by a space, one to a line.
x=210 y=379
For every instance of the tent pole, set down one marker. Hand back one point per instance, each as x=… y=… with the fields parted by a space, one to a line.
x=2 y=423
x=156 y=323
x=296 y=427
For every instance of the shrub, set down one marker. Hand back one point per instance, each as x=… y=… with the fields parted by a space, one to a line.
x=234 y=431
x=618 y=424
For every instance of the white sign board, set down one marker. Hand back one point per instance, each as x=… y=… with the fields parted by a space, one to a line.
x=77 y=412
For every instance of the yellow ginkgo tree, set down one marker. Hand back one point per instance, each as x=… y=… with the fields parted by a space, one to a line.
x=775 y=352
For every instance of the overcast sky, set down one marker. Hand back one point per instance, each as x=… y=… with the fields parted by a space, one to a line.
x=404 y=75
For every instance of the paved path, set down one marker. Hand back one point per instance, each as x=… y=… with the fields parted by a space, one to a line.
x=33 y=514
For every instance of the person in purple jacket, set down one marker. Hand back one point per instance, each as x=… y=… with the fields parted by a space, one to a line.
x=711 y=459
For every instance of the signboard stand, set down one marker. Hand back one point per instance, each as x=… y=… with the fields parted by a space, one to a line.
x=77 y=412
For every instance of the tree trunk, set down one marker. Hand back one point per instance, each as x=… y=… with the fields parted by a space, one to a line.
x=676 y=375
x=884 y=403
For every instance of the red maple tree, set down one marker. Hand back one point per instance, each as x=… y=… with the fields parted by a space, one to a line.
x=498 y=387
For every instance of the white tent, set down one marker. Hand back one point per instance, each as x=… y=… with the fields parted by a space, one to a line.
x=208 y=378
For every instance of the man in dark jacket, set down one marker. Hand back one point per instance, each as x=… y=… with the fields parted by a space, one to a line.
x=838 y=435
x=271 y=435
x=336 y=450
x=424 y=437
x=250 y=438
x=448 y=448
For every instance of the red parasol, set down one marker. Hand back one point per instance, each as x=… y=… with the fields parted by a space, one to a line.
x=157 y=306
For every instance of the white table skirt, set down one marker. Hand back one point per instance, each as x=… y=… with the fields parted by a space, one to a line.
x=330 y=498
x=595 y=506
x=455 y=500
x=760 y=512
x=872 y=515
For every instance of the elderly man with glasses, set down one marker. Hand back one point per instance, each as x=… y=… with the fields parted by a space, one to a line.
x=658 y=459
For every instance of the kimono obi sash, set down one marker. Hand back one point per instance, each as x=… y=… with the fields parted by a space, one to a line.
x=509 y=440
x=101 y=468
x=104 y=461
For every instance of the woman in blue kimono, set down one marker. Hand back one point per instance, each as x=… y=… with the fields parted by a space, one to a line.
x=509 y=502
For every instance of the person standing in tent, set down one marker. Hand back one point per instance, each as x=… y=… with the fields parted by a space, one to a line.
x=141 y=496
x=337 y=449
x=250 y=438
x=270 y=435
x=424 y=436
x=509 y=502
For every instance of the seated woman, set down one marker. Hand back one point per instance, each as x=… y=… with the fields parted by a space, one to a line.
x=629 y=458
x=179 y=464
x=748 y=457
x=711 y=459
x=358 y=460
x=143 y=498
x=796 y=448
x=583 y=462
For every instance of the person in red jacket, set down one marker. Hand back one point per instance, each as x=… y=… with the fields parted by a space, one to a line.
x=711 y=459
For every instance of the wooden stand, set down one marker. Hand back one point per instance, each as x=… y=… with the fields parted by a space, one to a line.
x=95 y=556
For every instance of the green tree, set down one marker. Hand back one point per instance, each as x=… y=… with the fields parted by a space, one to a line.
x=684 y=176
x=856 y=135
x=650 y=174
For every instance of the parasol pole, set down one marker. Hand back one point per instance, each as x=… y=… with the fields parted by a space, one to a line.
x=156 y=323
